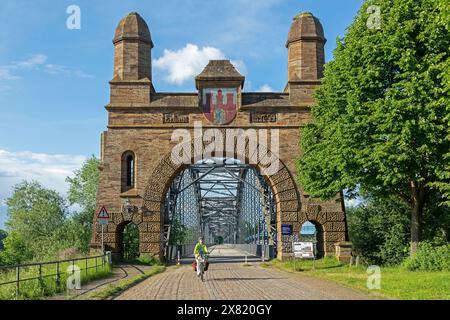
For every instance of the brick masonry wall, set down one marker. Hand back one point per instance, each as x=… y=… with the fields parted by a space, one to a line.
x=154 y=172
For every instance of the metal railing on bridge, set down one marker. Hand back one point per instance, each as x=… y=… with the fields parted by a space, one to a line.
x=259 y=250
x=39 y=271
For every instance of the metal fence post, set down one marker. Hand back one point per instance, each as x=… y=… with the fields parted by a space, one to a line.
x=86 y=265
x=57 y=275
x=41 y=281
x=96 y=265
x=17 y=282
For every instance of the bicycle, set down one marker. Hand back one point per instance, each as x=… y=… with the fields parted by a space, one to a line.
x=201 y=262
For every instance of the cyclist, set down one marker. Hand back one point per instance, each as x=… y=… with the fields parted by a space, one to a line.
x=201 y=250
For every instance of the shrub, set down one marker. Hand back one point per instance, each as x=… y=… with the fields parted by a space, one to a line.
x=149 y=260
x=429 y=258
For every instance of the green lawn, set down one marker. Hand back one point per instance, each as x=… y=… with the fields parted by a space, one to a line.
x=396 y=282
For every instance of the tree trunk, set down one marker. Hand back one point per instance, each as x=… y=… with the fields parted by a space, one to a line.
x=417 y=205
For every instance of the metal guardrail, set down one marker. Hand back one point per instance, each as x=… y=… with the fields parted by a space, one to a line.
x=106 y=258
x=185 y=250
x=260 y=250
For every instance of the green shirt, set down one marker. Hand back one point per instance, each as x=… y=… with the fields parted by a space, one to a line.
x=200 y=249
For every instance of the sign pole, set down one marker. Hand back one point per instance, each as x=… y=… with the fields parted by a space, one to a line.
x=103 y=249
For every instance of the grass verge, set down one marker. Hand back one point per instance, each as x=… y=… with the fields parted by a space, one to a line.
x=46 y=285
x=396 y=282
x=114 y=289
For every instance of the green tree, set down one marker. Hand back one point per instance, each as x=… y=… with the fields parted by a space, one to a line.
x=36 y=217
x=379 y=123
x=379 y=227
x=15 y=250
x=178 y=232
x=444 y=183
x=131 y=241
x=83 y=192
x=3 y=235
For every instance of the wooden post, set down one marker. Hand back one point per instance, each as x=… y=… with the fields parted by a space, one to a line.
x=86 y=266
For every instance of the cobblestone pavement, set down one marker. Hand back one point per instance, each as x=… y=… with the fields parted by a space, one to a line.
x=228 y=278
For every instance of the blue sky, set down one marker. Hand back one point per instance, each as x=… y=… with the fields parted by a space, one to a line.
x=54 y=81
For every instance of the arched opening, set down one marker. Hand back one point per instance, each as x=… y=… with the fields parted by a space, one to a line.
x=128 y=240
x=223 y=200
x=312 y=231
x=128 y=171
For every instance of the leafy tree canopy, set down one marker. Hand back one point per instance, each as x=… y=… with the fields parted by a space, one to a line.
x=83 y=192
x=381 y=119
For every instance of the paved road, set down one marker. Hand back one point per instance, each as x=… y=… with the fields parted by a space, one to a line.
x=228 y=278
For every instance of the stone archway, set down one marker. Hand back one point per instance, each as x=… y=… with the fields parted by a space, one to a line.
x=288 y=204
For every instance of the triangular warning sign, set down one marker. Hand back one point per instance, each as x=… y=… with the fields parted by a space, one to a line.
x=103 y=214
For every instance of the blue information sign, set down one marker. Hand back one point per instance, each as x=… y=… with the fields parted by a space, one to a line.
x=286 y=229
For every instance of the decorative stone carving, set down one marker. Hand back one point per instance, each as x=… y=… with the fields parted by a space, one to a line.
x=289 y=205
x=334 y=236
x=152 y=205
x=281 y=175
x=312 y=209
x=335 y=216
x=150 y=237
x=149 y=247
x=175 y=118
x=143 y=227
x=287 y=195
x=263 y=117
x=284 y=186
x=335 y=226
x=154 y=216
x=153 y=227
x=107 y=237
x=289 y=216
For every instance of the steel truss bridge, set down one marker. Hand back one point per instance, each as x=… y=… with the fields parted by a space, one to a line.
x=221 y=200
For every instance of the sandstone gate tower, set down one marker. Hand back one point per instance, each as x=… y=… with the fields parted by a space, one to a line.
x=136 y=166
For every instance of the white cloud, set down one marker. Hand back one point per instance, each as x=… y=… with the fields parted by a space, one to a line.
x=240 y=66
x=9 y=72
x=56 y=69
x=34 y=61
x=184 y=64
x=50 y=170
x=265 y=88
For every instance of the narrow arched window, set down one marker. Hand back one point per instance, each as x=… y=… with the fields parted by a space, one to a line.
x=128 y=171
